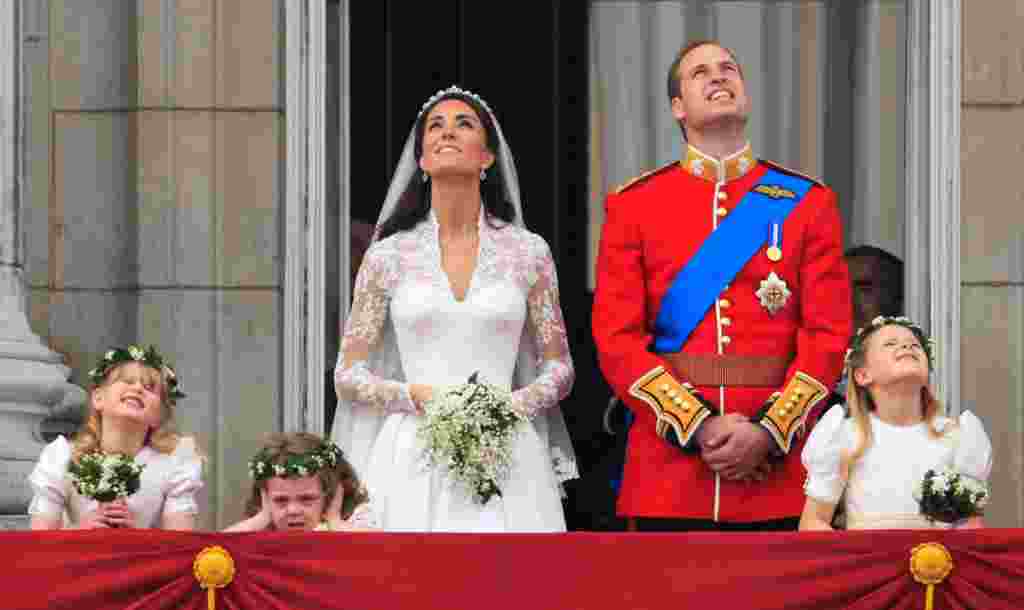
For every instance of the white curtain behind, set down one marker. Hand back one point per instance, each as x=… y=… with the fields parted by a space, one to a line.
x=827 y=83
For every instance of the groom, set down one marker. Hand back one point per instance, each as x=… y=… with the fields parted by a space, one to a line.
x=721 y=314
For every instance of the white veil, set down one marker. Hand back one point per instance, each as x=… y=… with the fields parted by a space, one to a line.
x=356 y=427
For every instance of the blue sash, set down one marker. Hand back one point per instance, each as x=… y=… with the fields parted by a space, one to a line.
x=738 y=237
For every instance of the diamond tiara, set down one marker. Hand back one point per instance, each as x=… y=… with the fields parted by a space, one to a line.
x=453 y=90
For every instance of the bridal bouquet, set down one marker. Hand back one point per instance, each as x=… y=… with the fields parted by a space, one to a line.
x=949 y=496
x=105 y=478
x=468 y=431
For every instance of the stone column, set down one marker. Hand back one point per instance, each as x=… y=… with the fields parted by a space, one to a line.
x=991 y=366
x=33 y=380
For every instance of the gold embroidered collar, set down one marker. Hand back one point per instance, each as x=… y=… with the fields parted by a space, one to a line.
x=707 y=167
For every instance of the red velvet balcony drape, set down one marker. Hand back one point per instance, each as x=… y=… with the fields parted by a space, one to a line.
x=148 y=569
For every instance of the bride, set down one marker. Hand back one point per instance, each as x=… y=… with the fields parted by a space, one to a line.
x=454 y=284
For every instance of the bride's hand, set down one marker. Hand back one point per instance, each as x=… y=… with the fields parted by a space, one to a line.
x=421 y=395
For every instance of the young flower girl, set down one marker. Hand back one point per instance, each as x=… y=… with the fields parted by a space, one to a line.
x=131 y=414
x=303 y=483
x=871 y=458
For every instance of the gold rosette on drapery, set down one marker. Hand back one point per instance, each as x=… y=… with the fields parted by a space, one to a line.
x=930 y=564
x=214 y=568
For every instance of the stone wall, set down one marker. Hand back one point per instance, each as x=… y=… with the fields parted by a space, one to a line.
x=992 y=246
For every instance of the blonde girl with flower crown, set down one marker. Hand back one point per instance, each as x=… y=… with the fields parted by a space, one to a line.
x=131 y=413
x=870 y=457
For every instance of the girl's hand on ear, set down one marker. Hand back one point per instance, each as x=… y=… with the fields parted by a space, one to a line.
x=333 y=511
x=263 y=518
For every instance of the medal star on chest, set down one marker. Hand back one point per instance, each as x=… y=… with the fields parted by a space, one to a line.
x=773 y=293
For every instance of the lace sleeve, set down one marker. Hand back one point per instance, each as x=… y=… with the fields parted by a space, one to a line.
x=555 y=373
x=353 y=378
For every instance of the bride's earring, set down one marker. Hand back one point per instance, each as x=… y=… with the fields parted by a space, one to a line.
x=483 y=174
x=425 y=176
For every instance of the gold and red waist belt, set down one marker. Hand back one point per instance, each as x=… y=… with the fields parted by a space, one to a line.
x=729 y=369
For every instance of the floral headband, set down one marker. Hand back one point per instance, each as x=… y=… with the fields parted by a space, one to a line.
x=327 y=455
x=857 y=345
x=453 y=90
x=133 y=353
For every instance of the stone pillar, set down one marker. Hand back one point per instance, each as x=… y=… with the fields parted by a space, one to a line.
x=33 y=380
x=879 y=114
x=992 y=245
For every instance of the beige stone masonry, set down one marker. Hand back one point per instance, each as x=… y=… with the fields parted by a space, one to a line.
x=992 y=246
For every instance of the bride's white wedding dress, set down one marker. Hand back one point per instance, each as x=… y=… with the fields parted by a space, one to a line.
x=441 y=341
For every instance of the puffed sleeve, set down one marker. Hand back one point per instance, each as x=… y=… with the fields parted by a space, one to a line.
x=185 y=480
x=974 y=449
x=48 y=480
x=822 y=455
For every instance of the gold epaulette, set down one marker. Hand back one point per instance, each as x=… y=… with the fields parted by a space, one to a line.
x=793 y=172
x=644 y=176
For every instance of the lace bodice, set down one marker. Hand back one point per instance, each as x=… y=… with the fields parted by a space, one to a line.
x=512 y=297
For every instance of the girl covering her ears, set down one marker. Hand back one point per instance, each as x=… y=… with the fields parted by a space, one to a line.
x=131 y=412
x=871 y=456
x=302 y=483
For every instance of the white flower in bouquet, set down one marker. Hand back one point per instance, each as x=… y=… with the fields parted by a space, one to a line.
x=949 y=496
x=469 y=431
x=105 y=478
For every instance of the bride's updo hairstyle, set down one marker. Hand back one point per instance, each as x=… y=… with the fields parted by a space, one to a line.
x=414 y=204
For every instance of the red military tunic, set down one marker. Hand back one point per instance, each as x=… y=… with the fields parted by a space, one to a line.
x=653 y=226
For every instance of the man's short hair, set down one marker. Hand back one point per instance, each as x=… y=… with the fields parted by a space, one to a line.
x=673 y=81
x=890 y=270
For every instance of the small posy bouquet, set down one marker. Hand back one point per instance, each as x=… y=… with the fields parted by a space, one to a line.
x=949 y=496
x=105 y=478
x=468 y=431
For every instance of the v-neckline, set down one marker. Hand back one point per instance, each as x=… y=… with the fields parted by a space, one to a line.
x=439 y=261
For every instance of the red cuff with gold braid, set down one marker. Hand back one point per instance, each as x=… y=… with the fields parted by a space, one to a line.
x=785 y=412
x=678 y=408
